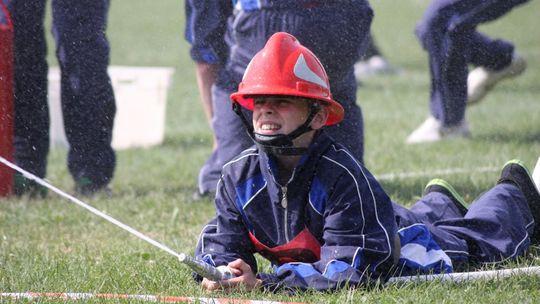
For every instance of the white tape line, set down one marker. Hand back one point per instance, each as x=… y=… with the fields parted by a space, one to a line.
x=434 y=173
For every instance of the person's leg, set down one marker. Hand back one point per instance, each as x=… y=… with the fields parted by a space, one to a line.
x=231 y=136
x=448 y=72
x=448 y=33
x=446 y=47
x=496 y=225
x=88 y=102
x=493 y=54
x=424 y=249
x=370 y=49
x=514 y=172
x=30 y=77
x=495 y=60
x=439 y=202
x=349 y=132
x=31 y=130
x=372 y=61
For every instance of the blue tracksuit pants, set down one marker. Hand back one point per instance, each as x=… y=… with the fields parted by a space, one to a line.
x=496 y=226
x=448 y=33
x=88 y=103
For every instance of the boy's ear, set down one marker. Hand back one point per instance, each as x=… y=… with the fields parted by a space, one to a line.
x=319 y=120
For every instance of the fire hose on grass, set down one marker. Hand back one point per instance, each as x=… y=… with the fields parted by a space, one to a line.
x=205 y=270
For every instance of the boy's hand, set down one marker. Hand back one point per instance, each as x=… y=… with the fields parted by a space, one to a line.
x=244 y=278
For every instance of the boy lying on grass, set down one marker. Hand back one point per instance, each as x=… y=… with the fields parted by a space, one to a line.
x=303 y=202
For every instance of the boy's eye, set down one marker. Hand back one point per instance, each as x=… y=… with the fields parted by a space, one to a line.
x=273 y=102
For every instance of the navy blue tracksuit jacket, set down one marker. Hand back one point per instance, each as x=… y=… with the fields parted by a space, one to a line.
x=333 y=224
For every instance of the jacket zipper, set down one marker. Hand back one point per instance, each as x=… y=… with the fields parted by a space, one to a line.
x=284 y=203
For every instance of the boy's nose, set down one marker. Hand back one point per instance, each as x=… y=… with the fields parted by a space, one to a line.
x=267 y=106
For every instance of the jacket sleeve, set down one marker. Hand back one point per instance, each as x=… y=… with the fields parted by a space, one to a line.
x=226 y=238
x=206 y=24
x=358 y=240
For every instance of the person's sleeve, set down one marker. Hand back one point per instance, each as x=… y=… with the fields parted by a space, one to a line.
x=206 y=24
x=226 y=238
x=359 y=232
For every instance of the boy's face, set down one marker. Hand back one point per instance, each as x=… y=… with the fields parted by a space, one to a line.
x=282 y=115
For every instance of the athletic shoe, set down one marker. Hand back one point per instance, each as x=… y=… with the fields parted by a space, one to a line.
x=197 y=196
x=481 y=80
x=516 y=173
x=372 y=66
x=26 y=187
x=432 y=130
x=442 y=186
x=85 y=186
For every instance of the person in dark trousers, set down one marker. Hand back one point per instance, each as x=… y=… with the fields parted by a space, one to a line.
x=448 y=32
x=88 y=103
x=250 y=24
x=304 y=202
x=372 y=62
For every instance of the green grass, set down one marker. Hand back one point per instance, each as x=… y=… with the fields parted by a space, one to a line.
x=52 y=245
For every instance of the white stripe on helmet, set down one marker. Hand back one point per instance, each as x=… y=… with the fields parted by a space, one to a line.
x=302 y=71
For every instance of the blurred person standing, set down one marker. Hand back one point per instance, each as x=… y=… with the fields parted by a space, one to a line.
x=448 y=32
x=88 y=103
x=335 y=31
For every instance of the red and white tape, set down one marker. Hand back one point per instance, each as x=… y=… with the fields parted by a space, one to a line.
x=148 y=298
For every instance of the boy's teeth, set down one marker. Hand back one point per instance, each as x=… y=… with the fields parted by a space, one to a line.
x=269 y=127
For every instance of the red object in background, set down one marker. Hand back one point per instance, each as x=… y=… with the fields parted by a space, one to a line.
x=6 y=99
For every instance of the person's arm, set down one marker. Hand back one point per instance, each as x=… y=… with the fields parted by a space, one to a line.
x=244 y=278
x=359 y=236
x=206 y=23
x=206 y=74
x=227 y=243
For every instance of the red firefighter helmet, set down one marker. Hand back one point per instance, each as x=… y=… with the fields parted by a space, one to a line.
x=284 y=67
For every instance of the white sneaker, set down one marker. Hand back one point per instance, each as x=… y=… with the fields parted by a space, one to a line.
x=481 y=80
x=432 y=130
x=372 y=66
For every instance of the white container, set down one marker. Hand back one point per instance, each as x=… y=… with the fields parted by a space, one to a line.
x=141 y=98
x=536 y=174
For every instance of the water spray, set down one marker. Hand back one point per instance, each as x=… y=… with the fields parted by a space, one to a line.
x=203 y=269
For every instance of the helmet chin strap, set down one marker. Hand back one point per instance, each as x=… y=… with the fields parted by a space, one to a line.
x=279 y=144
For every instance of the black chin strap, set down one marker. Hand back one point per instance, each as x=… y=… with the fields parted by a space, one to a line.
x=279 y=144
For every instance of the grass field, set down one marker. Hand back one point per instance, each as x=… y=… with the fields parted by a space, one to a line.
x=50 y=245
